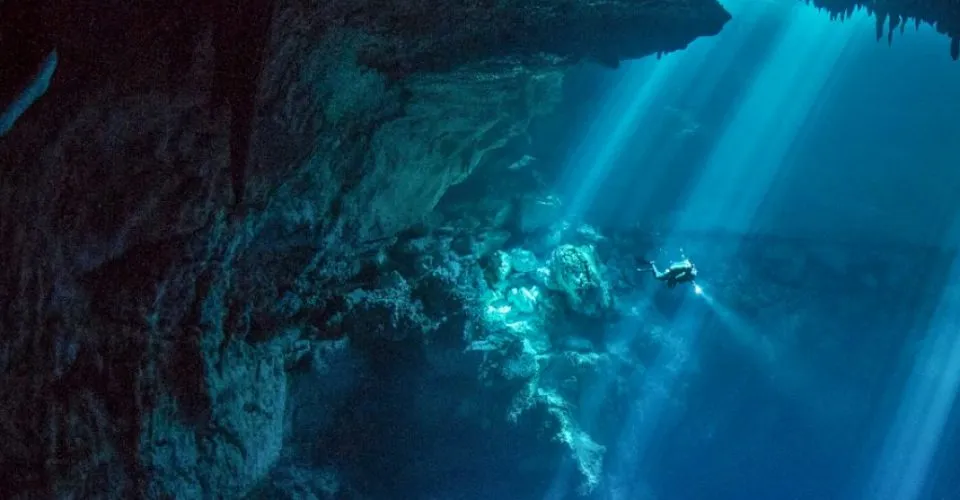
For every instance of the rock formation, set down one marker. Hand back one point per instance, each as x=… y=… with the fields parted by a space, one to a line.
x=891 y=15
x=201 y=269
x=227 y=271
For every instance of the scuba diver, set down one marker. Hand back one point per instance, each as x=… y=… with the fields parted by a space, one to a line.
x=682 y=271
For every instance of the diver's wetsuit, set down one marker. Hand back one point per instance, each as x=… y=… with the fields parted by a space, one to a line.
x=678 y=272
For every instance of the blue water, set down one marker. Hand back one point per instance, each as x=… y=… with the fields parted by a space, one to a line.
x=793 y=135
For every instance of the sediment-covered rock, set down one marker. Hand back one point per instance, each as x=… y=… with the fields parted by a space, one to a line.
x=195 y=217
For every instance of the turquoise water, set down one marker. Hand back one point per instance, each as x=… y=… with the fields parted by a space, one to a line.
x=812 y=170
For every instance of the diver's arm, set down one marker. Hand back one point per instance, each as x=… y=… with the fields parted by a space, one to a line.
x=656 y=272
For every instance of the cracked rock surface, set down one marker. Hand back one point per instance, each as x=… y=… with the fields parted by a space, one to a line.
x=211 y=259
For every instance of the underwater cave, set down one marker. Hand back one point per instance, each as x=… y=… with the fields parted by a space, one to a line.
x=470 y=250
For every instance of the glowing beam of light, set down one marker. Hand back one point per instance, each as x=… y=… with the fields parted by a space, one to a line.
x=657 y=383
x=928 y=397
x=761 y=351
x=644 y=87
x=750 y=150
x=693 y=87
x=747 y=158
x=736 y=179
x=627 y=105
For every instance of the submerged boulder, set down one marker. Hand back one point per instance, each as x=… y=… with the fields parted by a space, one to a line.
x=574 y=272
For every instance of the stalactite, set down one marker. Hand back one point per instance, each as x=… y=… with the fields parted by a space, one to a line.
x=894 y=22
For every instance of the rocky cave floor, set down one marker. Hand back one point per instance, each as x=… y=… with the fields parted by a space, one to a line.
x=473 y=362
x=498 y=351
x=503 y=352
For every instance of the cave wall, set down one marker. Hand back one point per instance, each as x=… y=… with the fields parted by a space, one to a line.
x=156 y=326
x=155 y=295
